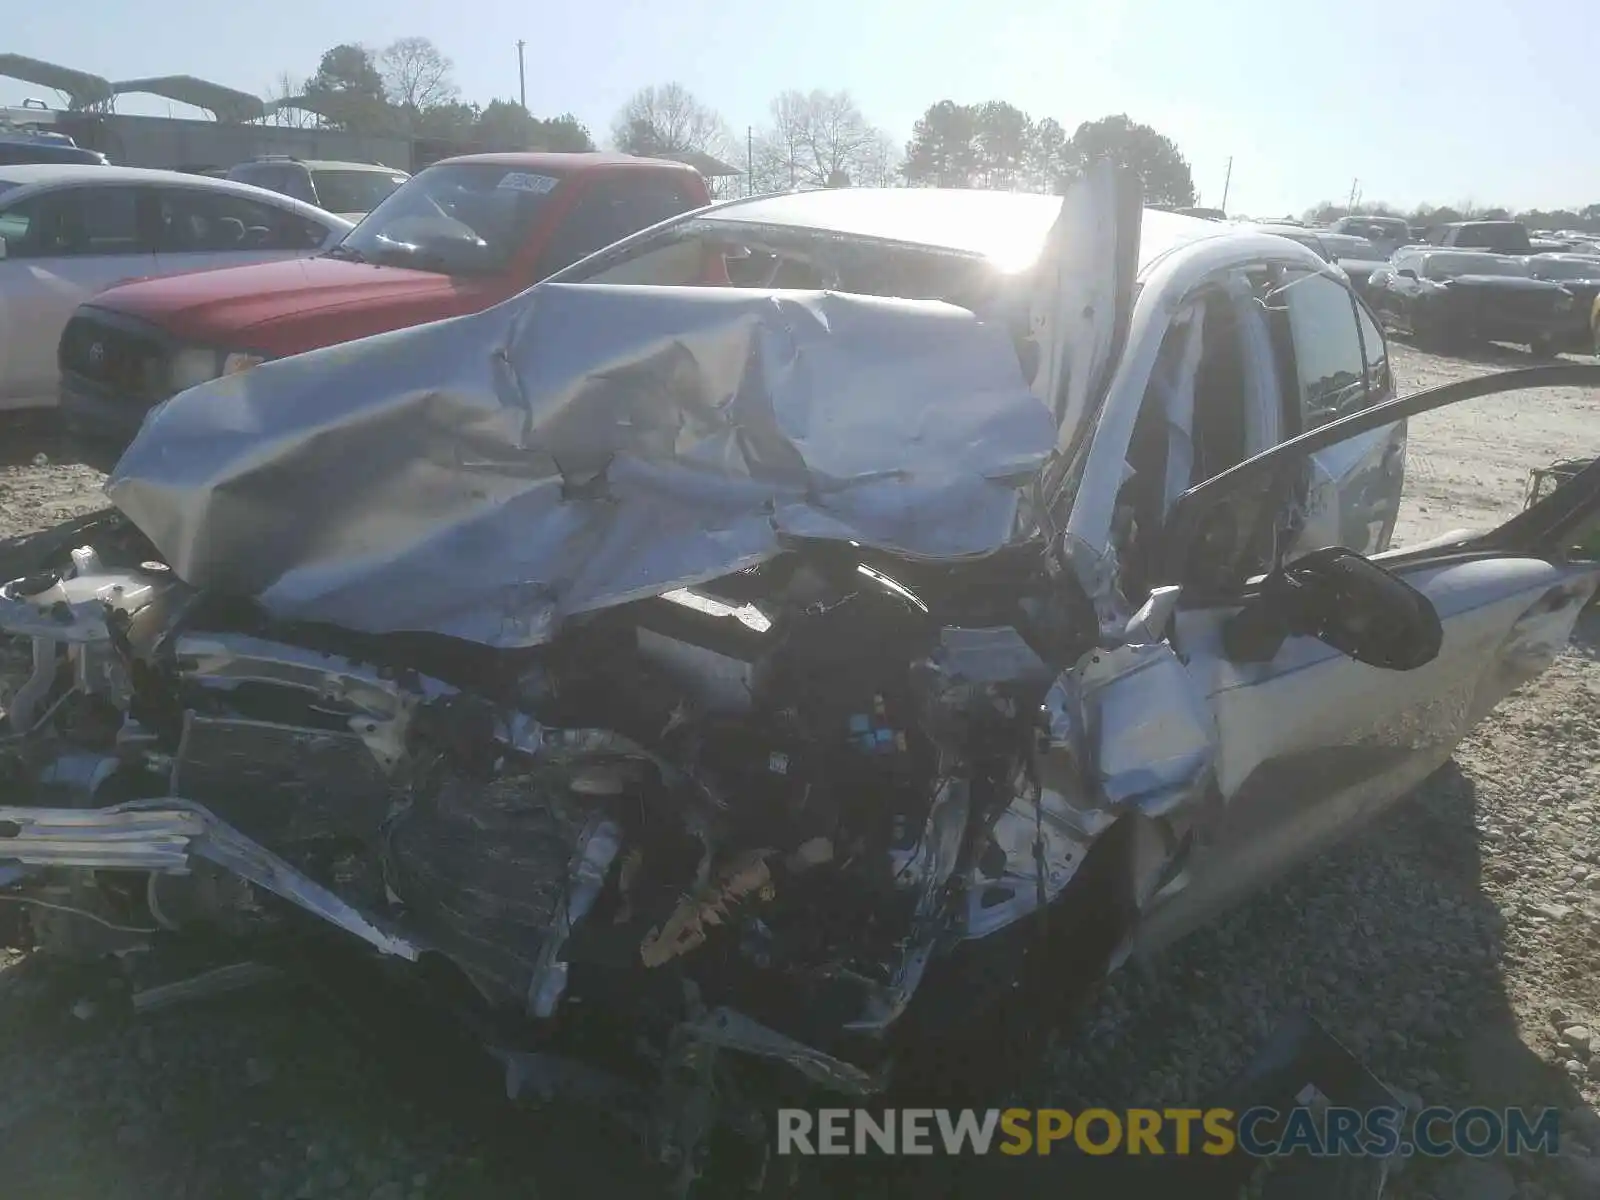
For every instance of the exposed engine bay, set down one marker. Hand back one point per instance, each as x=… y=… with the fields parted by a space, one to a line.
x=757 y=814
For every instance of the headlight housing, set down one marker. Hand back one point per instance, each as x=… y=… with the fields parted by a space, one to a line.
x=197 y=364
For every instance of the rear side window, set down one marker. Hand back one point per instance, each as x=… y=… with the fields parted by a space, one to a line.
x=354 y=191
x=609 y=210
x=194 y=221
x=274 y=179
x=1330 y=368
x=75 y=223
x=287 y=179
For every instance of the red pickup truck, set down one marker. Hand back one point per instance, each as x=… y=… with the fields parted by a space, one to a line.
x=458 y=237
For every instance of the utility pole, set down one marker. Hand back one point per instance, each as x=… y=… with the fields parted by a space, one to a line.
x=522 y=77
x=749 y=160
x=1351 y=206
x=1227 y=179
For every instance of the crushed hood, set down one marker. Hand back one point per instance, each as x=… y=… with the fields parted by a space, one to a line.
x=577 y=447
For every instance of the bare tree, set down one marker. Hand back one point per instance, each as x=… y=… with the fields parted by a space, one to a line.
x=416 y=75
x=667 y=119
x=880 y=163
x=287 y=87
x=820 y=139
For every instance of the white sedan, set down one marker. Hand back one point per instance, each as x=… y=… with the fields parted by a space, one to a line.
x=68 y=231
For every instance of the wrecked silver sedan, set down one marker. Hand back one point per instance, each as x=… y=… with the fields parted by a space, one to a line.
x=782 y=642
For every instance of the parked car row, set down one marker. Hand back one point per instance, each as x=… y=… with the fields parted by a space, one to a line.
x=188 y=279
x=1451 y=297
x=456 y=238
x=350 y=189
x=140 y=284
x=1472 y=281
x=69 y=231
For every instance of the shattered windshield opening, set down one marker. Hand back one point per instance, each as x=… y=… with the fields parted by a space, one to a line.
x=456 y=219
x=785 y=257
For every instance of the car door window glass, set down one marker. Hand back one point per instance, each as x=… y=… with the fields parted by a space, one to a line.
x=193 y=221
x=1380 y=385
x=1329 y=367
x=78 y=222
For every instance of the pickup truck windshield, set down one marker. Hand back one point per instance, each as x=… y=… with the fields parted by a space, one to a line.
x=453 y=219
x=1494 y=235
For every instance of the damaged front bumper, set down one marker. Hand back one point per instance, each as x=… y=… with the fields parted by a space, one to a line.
x=167 y=836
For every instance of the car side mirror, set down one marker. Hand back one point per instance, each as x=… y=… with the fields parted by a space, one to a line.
x=1343 y=600
x=1406 y=273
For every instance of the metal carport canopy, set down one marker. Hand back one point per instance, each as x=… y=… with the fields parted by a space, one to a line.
x=82 y=88
x=224 y=103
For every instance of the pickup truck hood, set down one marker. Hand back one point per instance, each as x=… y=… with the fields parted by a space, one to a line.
x=222 y=306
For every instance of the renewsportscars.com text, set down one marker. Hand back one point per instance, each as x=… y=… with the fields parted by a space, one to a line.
x=1258 y=1132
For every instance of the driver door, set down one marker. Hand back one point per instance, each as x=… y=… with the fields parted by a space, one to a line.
x=1309 y=742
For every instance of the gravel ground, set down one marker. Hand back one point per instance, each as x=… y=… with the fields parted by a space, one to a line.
x=1454 y=945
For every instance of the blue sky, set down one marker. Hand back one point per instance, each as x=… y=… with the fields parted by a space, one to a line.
x=1421 y=100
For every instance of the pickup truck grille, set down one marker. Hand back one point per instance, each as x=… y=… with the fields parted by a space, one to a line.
x=115 y=357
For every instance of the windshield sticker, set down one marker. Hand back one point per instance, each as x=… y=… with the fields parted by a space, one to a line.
x=538 y=184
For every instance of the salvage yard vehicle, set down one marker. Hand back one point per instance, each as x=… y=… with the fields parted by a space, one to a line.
x=1497 y=237
x=1580 y=275
x=811 y=683
x=1357 y=257
x=1454 y=297
x=348 y=188
x=457 y=237
x=68 y=231
x=1388 y=234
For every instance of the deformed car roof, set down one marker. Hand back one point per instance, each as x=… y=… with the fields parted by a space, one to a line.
x=1007 y=227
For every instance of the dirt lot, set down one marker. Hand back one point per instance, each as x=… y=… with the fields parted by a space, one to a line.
x=1455 y=946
